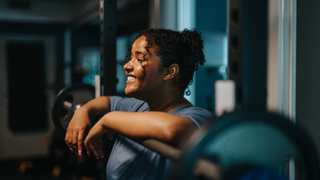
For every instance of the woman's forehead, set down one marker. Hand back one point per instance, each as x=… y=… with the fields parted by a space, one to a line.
x=139 y=46
x=140 y=43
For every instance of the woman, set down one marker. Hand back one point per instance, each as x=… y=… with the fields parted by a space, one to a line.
x=159 y=67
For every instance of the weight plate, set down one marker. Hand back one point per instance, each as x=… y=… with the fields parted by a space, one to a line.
x=253 y=139
x=67 y=101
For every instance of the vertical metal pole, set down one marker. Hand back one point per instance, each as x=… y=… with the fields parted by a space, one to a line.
x=235 y=46
x=67 y=57
x=108 y=62
x=247 y=52
x=108 y=37
x=287 y=66
x=255 y=53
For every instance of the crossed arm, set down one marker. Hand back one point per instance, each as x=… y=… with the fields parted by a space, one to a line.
x=171 y=129
x=80 y=123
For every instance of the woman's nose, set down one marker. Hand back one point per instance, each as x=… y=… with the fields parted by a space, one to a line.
x=128 y=66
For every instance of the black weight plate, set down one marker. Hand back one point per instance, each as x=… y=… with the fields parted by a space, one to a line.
x=67 y=101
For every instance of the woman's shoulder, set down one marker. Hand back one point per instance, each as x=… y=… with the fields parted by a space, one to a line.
x=191 y=109
x=130 y=104
x=197 y=115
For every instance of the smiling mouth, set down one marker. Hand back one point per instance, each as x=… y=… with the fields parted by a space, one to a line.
x=131 y=79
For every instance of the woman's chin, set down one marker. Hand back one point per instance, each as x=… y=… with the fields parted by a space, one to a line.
x=129 y=92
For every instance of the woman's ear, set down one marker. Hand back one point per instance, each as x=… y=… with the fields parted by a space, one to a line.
x=171 y=72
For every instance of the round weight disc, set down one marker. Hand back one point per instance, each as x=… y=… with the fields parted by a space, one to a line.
x=249 y=138
x=67 y=101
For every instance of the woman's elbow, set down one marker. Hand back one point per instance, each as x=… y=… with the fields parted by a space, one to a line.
x=177 y=136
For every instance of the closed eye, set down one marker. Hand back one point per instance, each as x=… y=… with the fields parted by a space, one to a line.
x=141 y=60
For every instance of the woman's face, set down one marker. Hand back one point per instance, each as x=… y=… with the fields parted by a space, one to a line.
x=144 y=78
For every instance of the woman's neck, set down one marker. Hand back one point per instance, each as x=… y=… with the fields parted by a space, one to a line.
x=167 y=104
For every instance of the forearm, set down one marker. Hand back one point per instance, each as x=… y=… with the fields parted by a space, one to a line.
x=171 y=129
x=80 y=122
x=97 y=107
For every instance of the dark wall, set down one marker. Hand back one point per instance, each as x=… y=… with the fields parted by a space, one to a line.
x=83 y=36
x=308 y=64
x=57 y=31
x=212 y=15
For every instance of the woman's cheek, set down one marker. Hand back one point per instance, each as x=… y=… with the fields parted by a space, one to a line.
x=140 y=68
x=142 y=71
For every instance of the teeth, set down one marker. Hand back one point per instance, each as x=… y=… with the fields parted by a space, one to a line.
x=131 y=79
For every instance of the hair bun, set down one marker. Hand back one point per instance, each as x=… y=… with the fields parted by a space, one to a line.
x=194 y=44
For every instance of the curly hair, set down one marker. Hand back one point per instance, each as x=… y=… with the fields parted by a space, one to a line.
x=183 y=48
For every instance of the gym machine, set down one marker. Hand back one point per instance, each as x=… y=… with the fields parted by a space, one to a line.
x=245 y=142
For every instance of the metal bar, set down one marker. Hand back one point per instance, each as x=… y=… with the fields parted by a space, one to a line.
x=108 y=37
x=247 y=53
x=290 y=61
x=235 y=46
x=280 y=84
x=162 y=148
x=292 y=76
x=255 y=37
x=293 y=28
x=67 y=57
x=108 y=61
x=286 y=58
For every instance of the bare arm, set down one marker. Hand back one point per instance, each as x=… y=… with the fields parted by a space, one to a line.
x=171 y=129
x=80 y=123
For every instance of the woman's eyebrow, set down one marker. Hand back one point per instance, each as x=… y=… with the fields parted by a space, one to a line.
x=139 y=52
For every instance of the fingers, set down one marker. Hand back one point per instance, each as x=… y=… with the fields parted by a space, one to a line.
x=97 y=149
x=71 y=140
x=68 y=140
x=94 y=147
x=77 y=128
x=75 y=141
x=80 y=142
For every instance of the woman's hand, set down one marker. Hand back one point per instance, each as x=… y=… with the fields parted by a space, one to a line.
x=93 y=141
x=79 y=126
x=80 y=123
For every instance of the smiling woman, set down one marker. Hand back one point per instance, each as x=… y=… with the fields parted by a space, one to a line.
x=143 y=71
x=159 y=66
